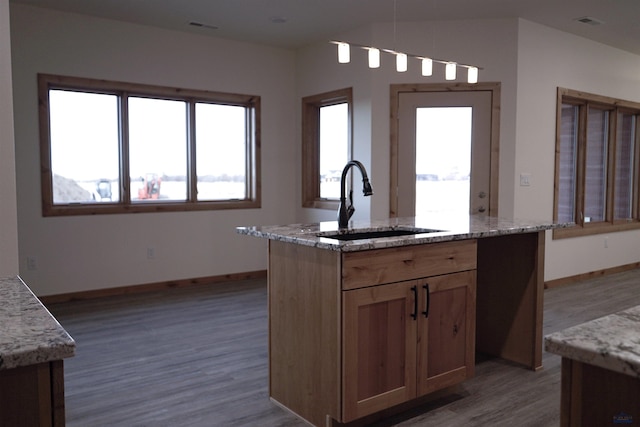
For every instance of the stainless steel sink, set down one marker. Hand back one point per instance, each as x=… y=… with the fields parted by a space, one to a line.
x=374 y=234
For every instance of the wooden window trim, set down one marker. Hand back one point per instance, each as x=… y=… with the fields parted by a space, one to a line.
x=311 y=144
x=614 y=106
x=253 y=180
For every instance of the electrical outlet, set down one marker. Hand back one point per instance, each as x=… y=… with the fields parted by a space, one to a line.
x=32 y=263
x=525 y=179
x=151 y=253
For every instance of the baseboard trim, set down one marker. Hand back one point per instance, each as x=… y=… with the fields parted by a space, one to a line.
x=147 y=287
x=593 y=274
x=261 y=274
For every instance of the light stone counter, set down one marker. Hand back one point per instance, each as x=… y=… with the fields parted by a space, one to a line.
x=29 y=334
x=611 y=342
x=448 y=228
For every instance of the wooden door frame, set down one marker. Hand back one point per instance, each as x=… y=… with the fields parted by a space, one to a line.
x=397 y=89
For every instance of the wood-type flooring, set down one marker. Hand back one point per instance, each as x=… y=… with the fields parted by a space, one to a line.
x=198 y=357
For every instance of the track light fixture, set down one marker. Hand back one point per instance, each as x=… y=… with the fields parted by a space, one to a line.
x=402 y=59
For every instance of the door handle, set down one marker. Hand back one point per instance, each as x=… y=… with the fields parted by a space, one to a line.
x=414 y=315
x=428 y=300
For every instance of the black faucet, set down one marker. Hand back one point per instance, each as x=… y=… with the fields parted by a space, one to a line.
x=344 y=212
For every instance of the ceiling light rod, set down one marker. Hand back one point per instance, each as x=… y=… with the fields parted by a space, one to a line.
x=410 y=55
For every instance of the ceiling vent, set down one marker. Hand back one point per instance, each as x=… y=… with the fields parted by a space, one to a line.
x=589 y=20
x=201 y=25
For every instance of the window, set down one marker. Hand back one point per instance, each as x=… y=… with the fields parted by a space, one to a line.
x=110 y=147
x=597 y=164
x=326 y=146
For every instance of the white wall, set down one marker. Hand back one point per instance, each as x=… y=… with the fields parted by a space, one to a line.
x=317 y=72
x=92 y=252
x=8 y=212
x=548 y=59
x=102 y=251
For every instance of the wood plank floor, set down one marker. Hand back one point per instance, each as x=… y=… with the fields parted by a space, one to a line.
x=198 y=357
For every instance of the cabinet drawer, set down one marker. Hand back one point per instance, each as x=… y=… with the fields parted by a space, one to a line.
x=369 y=268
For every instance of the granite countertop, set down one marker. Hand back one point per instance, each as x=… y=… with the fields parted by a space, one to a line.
x=611 y=342
x=29 y=334
x=447 y=228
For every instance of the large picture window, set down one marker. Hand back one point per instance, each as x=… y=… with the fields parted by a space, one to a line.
x=597 y=164
x=326 y=146
x=111 y=147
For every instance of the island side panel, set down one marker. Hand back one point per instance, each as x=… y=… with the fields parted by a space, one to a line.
x=26 y=396
x=595 y=396
x=510 y=297
x=304 y=328
x=57 y=393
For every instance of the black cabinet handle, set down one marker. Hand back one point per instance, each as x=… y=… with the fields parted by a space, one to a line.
x=414 y=315
x=426 y=311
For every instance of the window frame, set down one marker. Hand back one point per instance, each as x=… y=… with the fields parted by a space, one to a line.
x=311 y=144
x=583 y=101
x=47 y=82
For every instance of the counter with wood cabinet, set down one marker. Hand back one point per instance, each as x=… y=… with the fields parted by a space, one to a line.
x=600 y=370
x=360 y=326
x=32 y=348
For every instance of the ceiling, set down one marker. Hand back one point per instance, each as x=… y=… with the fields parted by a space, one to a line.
x=296 y=23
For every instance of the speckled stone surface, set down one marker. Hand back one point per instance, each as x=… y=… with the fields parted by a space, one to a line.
x=447 y=228
x=611 y=342
x=29 y=334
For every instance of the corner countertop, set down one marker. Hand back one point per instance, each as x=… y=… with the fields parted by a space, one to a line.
x=610 y=342
x=447 y=228
x=29 y=334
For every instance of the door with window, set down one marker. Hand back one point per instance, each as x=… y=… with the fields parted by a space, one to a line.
x=444 y=149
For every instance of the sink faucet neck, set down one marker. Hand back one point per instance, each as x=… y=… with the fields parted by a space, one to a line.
x=345 y=212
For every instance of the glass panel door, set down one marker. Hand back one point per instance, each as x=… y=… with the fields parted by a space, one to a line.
x=444 y=153
x=443 y=159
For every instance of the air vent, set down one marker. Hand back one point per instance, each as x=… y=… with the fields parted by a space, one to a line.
x=589 y=20
x=201 y=25
x=278 y=19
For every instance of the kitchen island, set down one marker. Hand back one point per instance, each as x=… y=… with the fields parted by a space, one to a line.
x=362 y=324
x=32 y=348
x=600 y=370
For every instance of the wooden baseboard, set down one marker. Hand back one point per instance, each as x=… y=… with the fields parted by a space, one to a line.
x=260 y=274
x=591 y=275
x=147 y=287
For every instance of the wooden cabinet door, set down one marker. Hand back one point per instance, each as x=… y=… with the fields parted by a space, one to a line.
x=379 y=348
x=446 y=330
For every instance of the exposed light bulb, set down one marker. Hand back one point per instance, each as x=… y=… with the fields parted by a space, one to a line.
x=472 y=75
x=344 y=53
x=450 y=71
x=401 y=62
x=427 y=67
x=374 y=57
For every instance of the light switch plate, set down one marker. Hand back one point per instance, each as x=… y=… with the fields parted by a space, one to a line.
x=525 y=179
